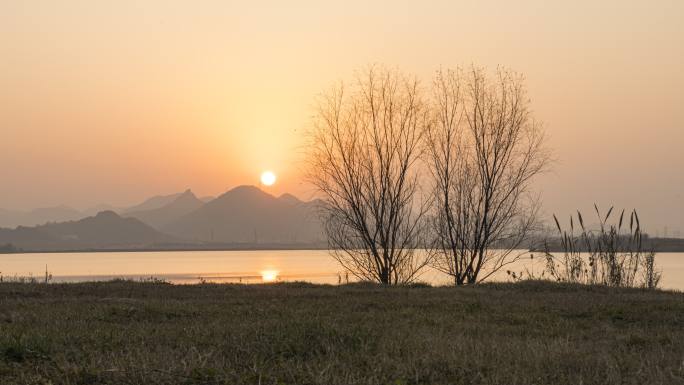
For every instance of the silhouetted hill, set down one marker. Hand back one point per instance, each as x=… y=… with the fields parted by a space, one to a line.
x=10 y=218
x=248 y=214
x=55 y=214
x=184 y=204
x=91 y=211
x=152 y=203
x=39 y=216
x=105 y=230
x=289 y=198
x=62 y=213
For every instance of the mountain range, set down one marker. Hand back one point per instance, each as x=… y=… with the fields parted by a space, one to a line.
x=14 y=218
x=245 y=215
x=62 y=213
x=165 y=210
x=106 y=230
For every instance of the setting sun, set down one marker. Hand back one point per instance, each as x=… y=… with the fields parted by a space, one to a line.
x=268 y=178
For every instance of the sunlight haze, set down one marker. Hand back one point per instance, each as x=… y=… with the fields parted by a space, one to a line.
x=113 y=102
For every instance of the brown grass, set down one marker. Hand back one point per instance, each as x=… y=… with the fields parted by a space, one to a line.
x=155 y=333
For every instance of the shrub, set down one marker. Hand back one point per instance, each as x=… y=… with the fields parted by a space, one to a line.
x=612 y=255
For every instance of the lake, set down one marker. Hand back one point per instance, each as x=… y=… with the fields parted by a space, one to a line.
x=252 y=266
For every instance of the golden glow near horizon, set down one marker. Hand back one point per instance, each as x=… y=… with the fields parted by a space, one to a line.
x=269 y=275
x=117 y=101
x=268 y=178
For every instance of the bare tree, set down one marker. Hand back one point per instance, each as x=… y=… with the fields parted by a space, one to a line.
x=362 y=159
x=484 y=148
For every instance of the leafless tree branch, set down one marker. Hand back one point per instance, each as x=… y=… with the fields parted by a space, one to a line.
x=364 y=150
x=483 y=149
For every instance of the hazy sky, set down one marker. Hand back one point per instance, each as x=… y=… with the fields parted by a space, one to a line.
x=113 y=101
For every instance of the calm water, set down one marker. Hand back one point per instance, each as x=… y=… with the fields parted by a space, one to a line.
x=237 y=266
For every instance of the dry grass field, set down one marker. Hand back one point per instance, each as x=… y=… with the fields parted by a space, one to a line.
x=125 y=332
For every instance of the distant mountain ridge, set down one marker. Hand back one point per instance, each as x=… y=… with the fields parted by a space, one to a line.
x=13 y=218
x=63 y=213
x=183 y=204
x=243 y=217
x=104 y=230
x=207 y=199
x=246 y=214
x=152 y=203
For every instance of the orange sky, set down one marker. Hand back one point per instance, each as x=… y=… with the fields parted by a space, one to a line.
x=114 y=101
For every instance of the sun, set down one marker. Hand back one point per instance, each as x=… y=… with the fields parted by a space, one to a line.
x=268 y=178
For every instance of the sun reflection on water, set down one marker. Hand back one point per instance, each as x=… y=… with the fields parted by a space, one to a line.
x=269 y=275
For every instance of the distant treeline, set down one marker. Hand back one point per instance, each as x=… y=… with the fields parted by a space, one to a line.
x=9 y=248
x=659 y=245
